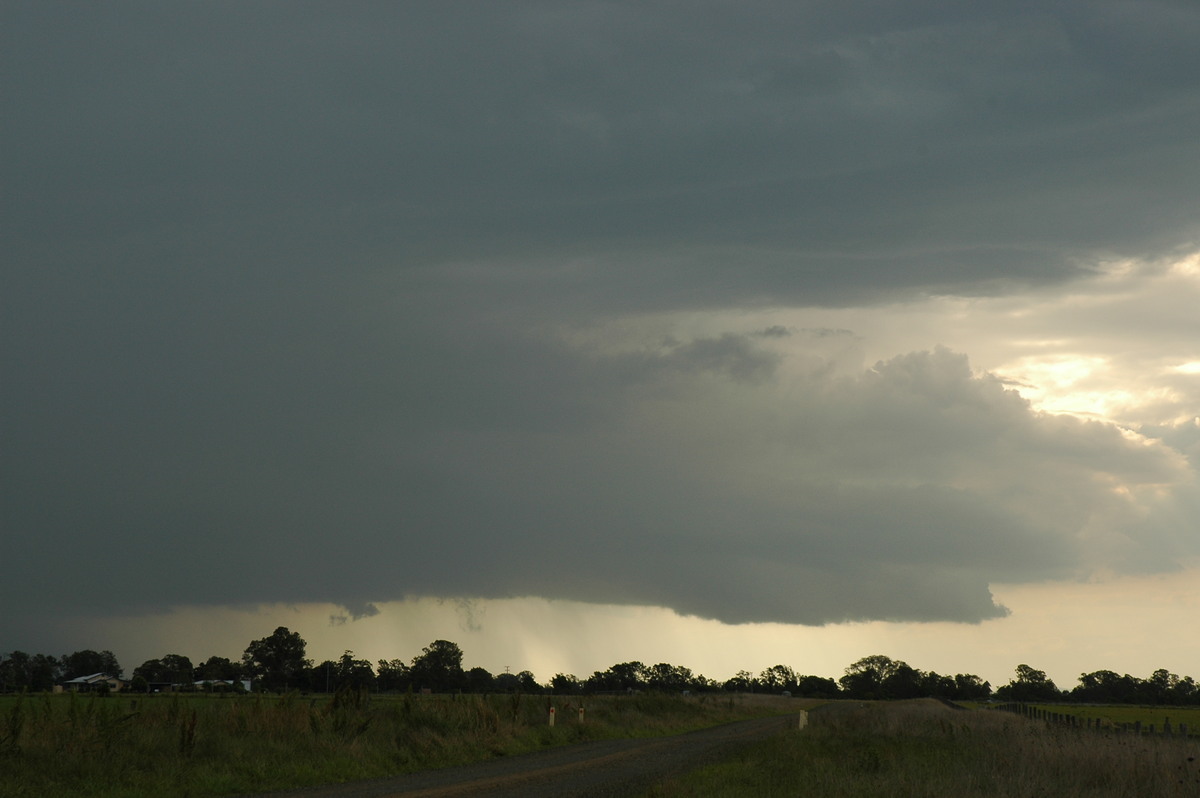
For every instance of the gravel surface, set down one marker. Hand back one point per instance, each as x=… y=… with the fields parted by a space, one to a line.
x=601 y=768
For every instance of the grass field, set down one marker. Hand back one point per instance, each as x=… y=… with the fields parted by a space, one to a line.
x=207 y=745
x=922 y=749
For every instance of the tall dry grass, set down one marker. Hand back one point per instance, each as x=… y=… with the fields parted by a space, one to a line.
x=123 y=747
x=924 y=749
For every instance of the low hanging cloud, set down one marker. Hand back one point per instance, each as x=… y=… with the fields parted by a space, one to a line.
x=703 y=475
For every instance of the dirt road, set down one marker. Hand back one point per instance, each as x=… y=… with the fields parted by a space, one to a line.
x=595 y=769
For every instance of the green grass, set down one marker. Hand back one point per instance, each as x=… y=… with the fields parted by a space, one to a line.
x=210 y=745
x=921 y=749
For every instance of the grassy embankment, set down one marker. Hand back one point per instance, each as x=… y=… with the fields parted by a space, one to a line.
x=922 y=749
x=205 y=745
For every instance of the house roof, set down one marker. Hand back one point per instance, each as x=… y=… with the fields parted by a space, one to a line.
x=89 y=679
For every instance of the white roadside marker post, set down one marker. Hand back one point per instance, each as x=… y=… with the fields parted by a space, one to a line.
x=551 y=716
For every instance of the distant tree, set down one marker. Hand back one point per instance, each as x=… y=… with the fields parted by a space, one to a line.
x=969 y=687
x=171 y=669
x=15 y=672
x=778 y=678
x=438 y=667
x=178 y=669
x=354 y=673
x=1029 y=685
x=479 y=680
x=565 y=684
x=865 y=679
x=1107 y=687
x=44 y=672
x=740 y=682
x=149 y=671
x=938 y=686
x=670 y=678
x=1164 y=687
x=319 y=678
x=276 y=660
x=816 y=687
x=392 y=676
x=627 y=676
x=218 y=669
x=1185 y=691
x=87 y=662
x=527 y=683
x=903 y=682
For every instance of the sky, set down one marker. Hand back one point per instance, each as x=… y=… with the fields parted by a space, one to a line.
x=719 y=334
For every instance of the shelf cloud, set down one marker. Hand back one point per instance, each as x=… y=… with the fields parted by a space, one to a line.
x=352 y=303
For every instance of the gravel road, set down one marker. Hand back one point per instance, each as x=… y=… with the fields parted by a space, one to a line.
x=594 y=769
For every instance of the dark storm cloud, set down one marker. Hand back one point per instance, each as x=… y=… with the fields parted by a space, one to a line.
x=288 y=288
x=779 y=151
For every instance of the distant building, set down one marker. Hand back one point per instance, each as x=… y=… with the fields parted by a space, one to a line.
x=91 y=683
x=219 y=685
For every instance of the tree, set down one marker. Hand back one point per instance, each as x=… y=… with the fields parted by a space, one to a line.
x=354 y=673
x=627 y=676
x=507 y=683
x=438 y=667
x=969 y=687
x=171 y=669
x=479 y=680
x=903 y=682
x=527 y=682
x=1164 y=687
x=276 y=660
x=87 y=662
x=867 y=677
x=565 y=684
x=938 y=686
x=777 y=679
x=672 y=678
x=816 y=687
x=1106 y=687
x=392 y=676
x=1185 y=691
x=218 y=669
x=44 y=672
x=740 y=682
x=16 y=672
x=178 y=669
x=149 y=671
x=1029 y=685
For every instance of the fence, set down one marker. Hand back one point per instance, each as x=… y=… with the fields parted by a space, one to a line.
x=1098 y=724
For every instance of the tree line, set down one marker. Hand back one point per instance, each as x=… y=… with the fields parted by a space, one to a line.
x=278 y=663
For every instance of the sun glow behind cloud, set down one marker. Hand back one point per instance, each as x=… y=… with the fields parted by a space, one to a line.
x=1127 y=357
